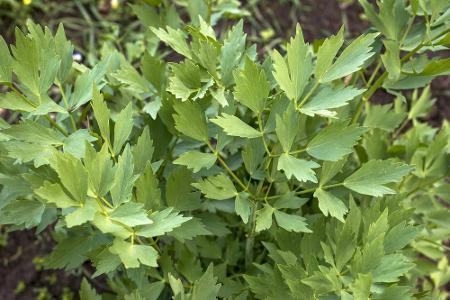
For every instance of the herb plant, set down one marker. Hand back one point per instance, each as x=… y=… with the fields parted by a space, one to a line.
x=221 y=175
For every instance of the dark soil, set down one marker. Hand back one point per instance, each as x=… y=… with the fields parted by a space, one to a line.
x=21 y=271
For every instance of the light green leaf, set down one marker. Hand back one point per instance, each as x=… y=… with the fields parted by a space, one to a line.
x=391 y=267
x=391 y=59
x=352 y=58
x=331 y=205
x=102 y=114
x=162 y=222
x=218 y=187
x=190 y=229
x=234 y=126
x=287 y=128
x=231 y=53
x=15 y=101
x=147 y=189
x=291 y=222
x=293 y=73
x=300 y=168
x=5 y=62
x=190 y=120
x=242 y=206
x=334 y=141
x=133 y=255
x=330 y=169
x=252 y=87
x=106 y=225
x=143 y=151
x=383 y=117
x=329 y=98
x=72 y=173
x=123 y=127
x=75 y=143
x=264 y=218
x=131 y=214
x=361 y=287
x=196 y=160
x=33 y=132
x=174 y=38
x=100 y=169
x=82 y=214
x=371 y=178
x=54 y=193
x=122 y=187
x=327 y=52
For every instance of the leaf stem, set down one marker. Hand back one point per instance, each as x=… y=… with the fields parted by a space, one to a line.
x=311 y=91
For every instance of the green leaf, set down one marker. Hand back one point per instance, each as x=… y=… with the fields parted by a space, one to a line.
x=242 y=206
x=54 y=193
x=75 y=143
x=106 y=225
x=331 y=205
x=206 y=287
x=232 y=51
x=102 y=114
x=190 y=120
x=162 y=222
x=122 y=187
x=330 y=169
x=179 y=192
x=287 y=128
x=100 y=169
x=132 y=255
x=190 y=229
x=218 y=187
x=234 y=126
x=329 y=98
x=264 y=218
x=82 y=214
x=334 y=141
x=291 y=222
x=327 y=52
x=371 y=178
x=383 y=117
x=147 y=189
x=131 y=214
x=391 y=267
x=293 y=73
x=300 y=168
x=196 y=160
x=72 y=173
x=143 y=151
x=391 y=59
x=33 y=132
x=361 y=287
x=22 y=212
x=123 y=127
x=15 y=101
x=174 y=38
x=352 y=58
x=5 y=62
x=252 y=87
x=87 y=292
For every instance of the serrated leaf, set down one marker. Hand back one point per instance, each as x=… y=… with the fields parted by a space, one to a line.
x=391 y=267
x=5 y=62
x=131 y=214
x=331 y=205
x=100 y=169
x=87 y=292
x=327 y=52
x=174 y=38
x=264 y=218
x=291 y=222
x=54 y=193
x=143 y=151
x=179 y=192
x=162 y=222
x=371 y=178
x=334 y=141
x=123 y=127
x=287 y=128
x=82 y=214
x=218 y=187
x=352 y=58
x=72 y=173
x=242 y=206
x=329 y=98
x=231 y=53
x=33 y=132
x=102 y=114
x=75 y=143
x=132 y=255
x=292 y=73
x=252 y=87
x=147 y=189
x=383 y=117
x=196 y=160
x=361 y=286
x=301 y=169
x=190 y=120
x=234 y=126
x=122 y=186
x=190 y=229
x=206 y=287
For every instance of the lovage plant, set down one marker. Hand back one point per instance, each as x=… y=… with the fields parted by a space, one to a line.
x=222 y=175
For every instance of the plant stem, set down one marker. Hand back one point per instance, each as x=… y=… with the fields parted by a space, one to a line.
x=225 y=165
x=311 y=91
x=266 y=147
